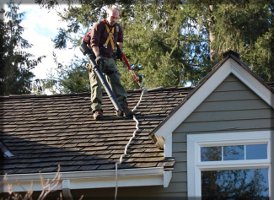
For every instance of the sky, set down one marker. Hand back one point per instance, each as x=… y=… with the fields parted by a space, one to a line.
x=40 y=28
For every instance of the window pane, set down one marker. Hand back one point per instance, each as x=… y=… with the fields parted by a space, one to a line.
x=235 y=184
x=234 y=152
x=256 y=151
x=211 y=153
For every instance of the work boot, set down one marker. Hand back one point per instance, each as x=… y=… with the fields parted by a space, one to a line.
x=98 y=114
x=127 y=112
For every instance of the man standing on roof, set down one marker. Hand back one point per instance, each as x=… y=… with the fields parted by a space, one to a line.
x=102 y=39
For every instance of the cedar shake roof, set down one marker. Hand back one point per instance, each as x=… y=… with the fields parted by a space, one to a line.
x=44 y=131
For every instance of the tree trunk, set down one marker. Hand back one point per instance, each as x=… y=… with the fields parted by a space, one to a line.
x=211 y=32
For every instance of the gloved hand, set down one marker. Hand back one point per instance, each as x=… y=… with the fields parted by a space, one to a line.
x=99 y=60
x=118 y=54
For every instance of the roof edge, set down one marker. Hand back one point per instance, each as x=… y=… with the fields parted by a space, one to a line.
x=89 y=179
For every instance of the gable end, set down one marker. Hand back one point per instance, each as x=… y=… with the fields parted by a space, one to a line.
x=229 y=66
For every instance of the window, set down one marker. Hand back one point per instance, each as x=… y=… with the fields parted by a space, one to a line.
x=234 y=152
x=229 y=165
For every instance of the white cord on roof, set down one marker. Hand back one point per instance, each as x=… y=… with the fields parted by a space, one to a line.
x=127 y=145
x=142 y=94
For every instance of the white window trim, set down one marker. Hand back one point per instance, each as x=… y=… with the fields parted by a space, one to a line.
x=194 y=166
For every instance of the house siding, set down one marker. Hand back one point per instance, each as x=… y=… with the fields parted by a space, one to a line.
x=231 y=107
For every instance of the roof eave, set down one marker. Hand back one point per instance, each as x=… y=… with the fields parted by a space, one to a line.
x=155 y=176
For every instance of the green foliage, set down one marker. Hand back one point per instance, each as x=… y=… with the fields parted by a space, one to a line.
x=165 y=41
x=74 y=78
x=239 y=25
x=178 y=42
x=261 y=57
x=152 y=39
x=45 y=86
x=15 y=75
x=245 y=27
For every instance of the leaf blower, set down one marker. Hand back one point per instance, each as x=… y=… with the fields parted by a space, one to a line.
x=91 y=57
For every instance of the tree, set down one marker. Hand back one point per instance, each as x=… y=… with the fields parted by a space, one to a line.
x=74 y=78
x=178 y=42
x=153 y=38
x=245 y=27
x=165 y=40
x=15 y=74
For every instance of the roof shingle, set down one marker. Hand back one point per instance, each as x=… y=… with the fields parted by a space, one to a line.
x=44 y=131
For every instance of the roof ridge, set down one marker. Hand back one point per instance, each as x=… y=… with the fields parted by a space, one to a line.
x=21 y=96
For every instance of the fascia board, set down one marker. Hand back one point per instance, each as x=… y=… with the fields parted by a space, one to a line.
x=87 y=179
x=230 y=66
x=195 y=100
x=252 y=83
